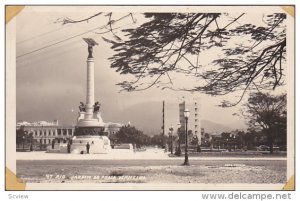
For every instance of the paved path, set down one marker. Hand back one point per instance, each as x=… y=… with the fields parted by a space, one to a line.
x=155 y=171
x=147 y=163
x=151 y=154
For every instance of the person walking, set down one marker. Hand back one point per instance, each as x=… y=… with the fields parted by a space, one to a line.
x=87 y=147
x=53 y=143
x=69 y=147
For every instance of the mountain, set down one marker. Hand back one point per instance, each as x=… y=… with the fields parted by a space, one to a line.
x=144 y=116
x=212 y=127
x=239 y=124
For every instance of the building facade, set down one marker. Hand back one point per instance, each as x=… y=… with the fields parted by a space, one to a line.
x=45 y=132
x=194 y=121
x=181 y=116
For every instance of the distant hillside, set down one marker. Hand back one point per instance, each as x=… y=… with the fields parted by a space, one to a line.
x=144 y=116
x=212 y=127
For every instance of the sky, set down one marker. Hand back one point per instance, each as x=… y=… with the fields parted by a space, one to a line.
x=51 y=82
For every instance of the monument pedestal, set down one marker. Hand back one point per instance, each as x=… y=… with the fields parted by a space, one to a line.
x=90 y=131
x=98 y=144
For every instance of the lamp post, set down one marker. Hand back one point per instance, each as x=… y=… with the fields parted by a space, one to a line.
x=31 y=139
x=227 y=143
x=178 y=133
x=23 y=141
x=41 y=143
x=230 y=142
x=234 y=143
x=171 y=135
x=168 y=148
x=186 y=116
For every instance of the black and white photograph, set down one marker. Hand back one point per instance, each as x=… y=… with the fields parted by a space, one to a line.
x=151 y=97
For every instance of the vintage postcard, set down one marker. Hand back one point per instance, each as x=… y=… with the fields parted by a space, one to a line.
x=150 y=97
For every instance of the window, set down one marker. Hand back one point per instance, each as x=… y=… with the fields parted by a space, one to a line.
x=58 y=131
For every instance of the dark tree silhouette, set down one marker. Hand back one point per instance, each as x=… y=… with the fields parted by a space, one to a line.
x=24 y=137
x=269 y=113
x=175 y=42
x=129 y=134
x=20 y=135
x=159 y=139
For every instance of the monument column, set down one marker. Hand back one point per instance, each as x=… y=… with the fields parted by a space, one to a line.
x=90 y=127
x=90 y=88
x=87 y=123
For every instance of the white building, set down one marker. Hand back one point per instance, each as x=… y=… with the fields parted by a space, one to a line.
x=45 y=132
x=194 y=120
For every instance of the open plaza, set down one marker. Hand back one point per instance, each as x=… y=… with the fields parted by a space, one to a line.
x=150 y=166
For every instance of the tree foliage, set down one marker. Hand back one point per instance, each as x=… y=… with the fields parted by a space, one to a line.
x=252 y=55
x=159 y=139
x=175 y=42
x=129 y=134
x=267 y=112
x=23 y=137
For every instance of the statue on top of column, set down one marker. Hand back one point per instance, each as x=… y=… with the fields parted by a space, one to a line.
x=91 y=43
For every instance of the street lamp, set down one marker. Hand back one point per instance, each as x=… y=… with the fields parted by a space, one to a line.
x=23 y=141
x=178 y=125
x=234 y=143
x=186 y=116
x=227 y=144
x=171 y=134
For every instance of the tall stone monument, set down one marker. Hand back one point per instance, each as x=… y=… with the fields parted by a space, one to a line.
x=89 y=130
